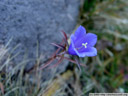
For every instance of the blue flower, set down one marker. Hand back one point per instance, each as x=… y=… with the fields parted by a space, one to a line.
x=82 y=44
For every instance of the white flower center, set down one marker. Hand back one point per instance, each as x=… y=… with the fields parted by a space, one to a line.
x=84 y=44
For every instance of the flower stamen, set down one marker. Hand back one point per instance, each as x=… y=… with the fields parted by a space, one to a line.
x=84 y=44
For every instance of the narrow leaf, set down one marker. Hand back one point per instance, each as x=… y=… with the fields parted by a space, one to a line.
x=73 y=61
x=48 y=63
x=65 y=35
x=65 y=38
x=59 y=61
x=2 y=88
x=58 y=45
x=77 y=62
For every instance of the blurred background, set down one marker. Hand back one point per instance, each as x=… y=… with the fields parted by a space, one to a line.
x=28 y=27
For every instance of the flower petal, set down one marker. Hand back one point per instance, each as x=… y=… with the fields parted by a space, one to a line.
x=78 y=39
x=72 y=47
x=72 y=38
x=90 y=51
x=80 y=32
x=71 y=50
x=91 y=39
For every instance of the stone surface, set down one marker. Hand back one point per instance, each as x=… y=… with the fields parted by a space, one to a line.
x=30 y=21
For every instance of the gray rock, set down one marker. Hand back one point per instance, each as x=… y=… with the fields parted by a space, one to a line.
x=32 y=21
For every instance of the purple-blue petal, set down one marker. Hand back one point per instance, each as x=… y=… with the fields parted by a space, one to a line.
x=71 y=50
x=91 y=39
x=80 y=32
x=90 y=52
x=73 y=38
x=78 y=39
x=72 y=47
